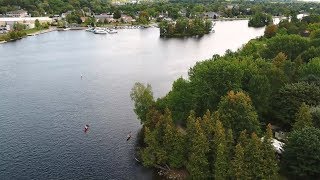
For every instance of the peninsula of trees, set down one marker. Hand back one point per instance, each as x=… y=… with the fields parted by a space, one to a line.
x=259 y=20
x=185 y=27
x=216 y=123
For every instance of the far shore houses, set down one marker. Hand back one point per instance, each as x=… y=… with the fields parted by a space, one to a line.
x=108 y=18
x=17 y=13
x=9 y=22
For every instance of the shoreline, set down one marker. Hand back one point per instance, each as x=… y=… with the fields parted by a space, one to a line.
x=43 y=31
x=51 y=29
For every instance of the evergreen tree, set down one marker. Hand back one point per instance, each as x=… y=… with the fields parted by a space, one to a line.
x=229 y=150
x=191 y=127
x=269 y=160
x=303 y=118
x=237 y=113
x=198 y=165
x=173 y=143
x=221 y=163
x=243 y=138
x=254 y=157
x=219 y=150
x=152 y=153
x=301 y=156
x=239 y=166
x=208 y=125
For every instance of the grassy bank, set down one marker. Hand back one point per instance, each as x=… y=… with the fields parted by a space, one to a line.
x=15 y=35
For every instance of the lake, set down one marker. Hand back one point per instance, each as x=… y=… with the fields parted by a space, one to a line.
x=44 y=103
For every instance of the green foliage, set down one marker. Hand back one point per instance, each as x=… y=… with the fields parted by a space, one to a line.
x=290 y=97
x=198 y=165
x=213 y=79
x=315 y=34
x=37 y=24
x=143 y=99
x=185 y=27
x=291 y=45
x=312 y=18
x=221 y=163
x=143 y=17
x=254 y=157
x=117 y=14
x=310 y=53
x=260 y=20
x=270 y=31
x=301 y=157
x=153 y=153
x=174 y=143
x=269 y=160
x=179 y=100
x=237 y=113
x=315 y=113
x=239 y=169
x=74 y=18
x=19 y=26
x=303 y=118
x=268 y=79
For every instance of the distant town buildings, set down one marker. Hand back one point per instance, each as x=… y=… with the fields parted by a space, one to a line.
x=9 y=22
x=17 y=13
x=105 y=17
x=211 y=15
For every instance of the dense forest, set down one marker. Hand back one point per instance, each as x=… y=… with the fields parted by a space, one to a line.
x=191 y=8
x=216 y=123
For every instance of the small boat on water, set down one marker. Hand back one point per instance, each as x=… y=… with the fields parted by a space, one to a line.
x=66 y=29
x=90 y=29
x=100 y=31
x=112 y=31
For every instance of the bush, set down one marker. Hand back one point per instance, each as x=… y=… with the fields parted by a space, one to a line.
x=301 y=157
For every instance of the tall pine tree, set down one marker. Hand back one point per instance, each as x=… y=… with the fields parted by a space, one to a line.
x=221 y=163
x=303 y=118
x=269 y=160
x=254 y=157
x=198 y=165
x=239 y=166
x=173 y=142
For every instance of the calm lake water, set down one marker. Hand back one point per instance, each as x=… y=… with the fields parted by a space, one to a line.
x=44 y=104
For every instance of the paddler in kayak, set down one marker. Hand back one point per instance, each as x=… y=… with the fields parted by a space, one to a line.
x=86 y=128
x=129 y=136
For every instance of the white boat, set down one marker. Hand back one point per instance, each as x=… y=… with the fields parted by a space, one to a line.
x=100 y=31
x=112 y=31
x=66 y=29
x=90 y=29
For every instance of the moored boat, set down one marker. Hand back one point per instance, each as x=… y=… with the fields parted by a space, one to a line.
x=100 y=31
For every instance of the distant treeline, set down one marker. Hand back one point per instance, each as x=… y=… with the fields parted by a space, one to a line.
x=226 y=9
